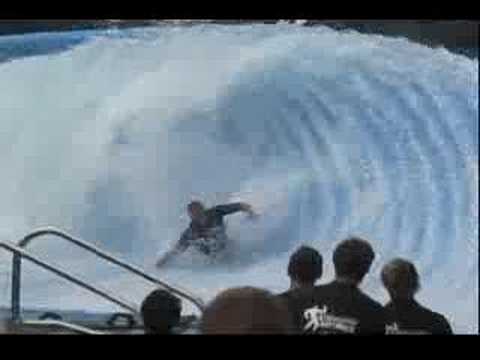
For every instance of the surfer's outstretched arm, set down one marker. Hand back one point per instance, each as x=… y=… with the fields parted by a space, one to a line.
x=248 y=209
x=235 y=207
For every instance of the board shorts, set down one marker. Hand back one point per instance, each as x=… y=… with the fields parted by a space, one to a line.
x=214 y=243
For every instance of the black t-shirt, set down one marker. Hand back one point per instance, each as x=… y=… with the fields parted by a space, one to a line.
x=296 y=301
x=409 y=317
x=336 y=308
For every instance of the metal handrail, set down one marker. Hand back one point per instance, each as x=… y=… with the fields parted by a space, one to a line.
x=20 y=253
x=64 y=325
x=106 y=256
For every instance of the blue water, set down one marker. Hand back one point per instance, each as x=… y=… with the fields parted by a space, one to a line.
x=108 y=134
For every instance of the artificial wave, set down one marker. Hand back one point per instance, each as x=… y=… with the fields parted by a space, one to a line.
x=108 y=134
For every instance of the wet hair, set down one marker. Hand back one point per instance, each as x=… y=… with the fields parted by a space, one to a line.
x=305 y=265
x=195 y=205
x=246 y=310
x=160 y=312
x=352 y=258
x=400 y=278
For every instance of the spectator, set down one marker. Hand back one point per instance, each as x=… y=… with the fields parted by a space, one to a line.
x=160 y=312
x=404 y=314
x=340 y=307
x=246 y=310
x=304 y=269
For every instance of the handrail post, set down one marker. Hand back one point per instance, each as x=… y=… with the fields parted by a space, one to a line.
x=16 y=281
x=16 y=286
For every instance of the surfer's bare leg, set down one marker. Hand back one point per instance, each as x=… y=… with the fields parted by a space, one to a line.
x=167 y=257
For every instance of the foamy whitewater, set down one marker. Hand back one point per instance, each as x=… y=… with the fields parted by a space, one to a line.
x=108 y=134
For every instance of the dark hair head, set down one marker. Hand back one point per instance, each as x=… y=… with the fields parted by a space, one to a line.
x=160 y=311
x=305 y=265
x=400 y=278
x=193 y=205
x=352 y=258
x=246 y=310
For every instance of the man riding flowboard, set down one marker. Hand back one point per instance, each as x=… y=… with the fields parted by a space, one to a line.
x=207 y=231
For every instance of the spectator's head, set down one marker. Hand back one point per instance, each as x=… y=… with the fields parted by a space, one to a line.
x=246 y=310
x=160 y=312
x=401 y=279
x=196 y=210
x=305 y=267
x=352 y=259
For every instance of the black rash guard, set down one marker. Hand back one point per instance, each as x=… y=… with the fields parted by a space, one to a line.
x=211 y=236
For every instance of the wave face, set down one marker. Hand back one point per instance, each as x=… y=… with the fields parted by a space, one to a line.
x=108 y=134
